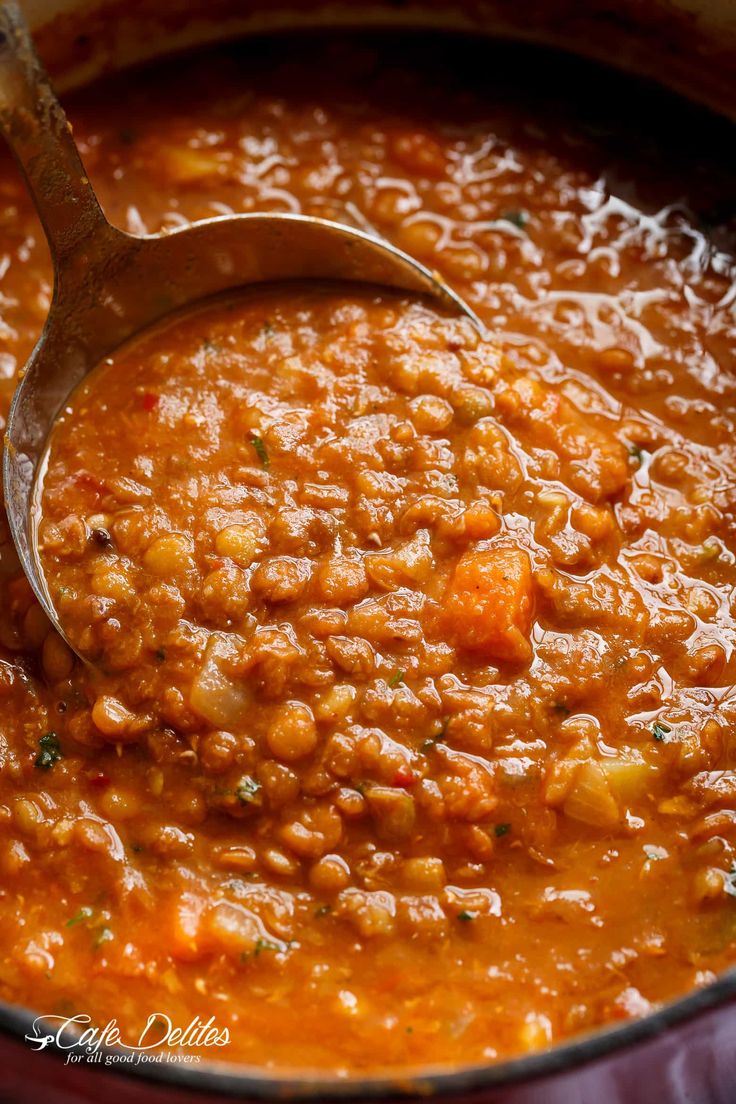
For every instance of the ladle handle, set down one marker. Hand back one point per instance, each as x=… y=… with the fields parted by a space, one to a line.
x=36 y=128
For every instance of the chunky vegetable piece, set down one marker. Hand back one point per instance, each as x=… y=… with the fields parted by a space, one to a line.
x=412 y=738
x=488 y=604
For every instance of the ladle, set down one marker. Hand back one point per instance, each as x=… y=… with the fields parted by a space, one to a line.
x=109 y=284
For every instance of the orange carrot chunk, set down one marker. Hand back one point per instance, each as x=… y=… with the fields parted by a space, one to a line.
x=488 y=604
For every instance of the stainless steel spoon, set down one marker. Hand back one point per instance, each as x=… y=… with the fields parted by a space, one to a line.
x=109 y=285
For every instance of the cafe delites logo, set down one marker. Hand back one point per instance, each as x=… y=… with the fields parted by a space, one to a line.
x=159 y=1041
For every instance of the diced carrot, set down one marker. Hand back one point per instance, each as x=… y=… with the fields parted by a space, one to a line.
x=488 y=604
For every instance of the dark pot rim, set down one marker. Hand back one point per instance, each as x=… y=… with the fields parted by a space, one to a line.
x=247 y=1082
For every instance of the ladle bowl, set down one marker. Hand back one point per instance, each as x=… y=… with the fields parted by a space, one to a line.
x=110 y=285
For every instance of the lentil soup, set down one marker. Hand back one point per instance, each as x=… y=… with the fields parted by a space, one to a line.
x=411 y=737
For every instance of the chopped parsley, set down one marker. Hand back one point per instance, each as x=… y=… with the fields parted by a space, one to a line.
x=466 y=916
x=502 y=829
x=247 y=790
x=397 y=678
x=636 y=453
x=561 y=708
x=518 y=218
x=260 y=449
x=84 y=913
x=265 y=945
x=660 y=730
x=431 y=742
x=50 y=752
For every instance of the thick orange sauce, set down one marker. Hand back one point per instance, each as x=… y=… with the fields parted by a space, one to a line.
x=412 y=740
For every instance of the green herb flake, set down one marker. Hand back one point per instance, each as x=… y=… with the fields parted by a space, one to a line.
x=636 y=453
x=160 y=654
x=518 y=218
x=267 y=329
x=502 y=830
x=660 y=730
x=561 y=708
x=104 y=935
x=432 y=741
x=50 y=752
x=84 y=913
x=247 y=790
x=466 y=916
x=265 y=945
x=397 y=678
x=260 y=449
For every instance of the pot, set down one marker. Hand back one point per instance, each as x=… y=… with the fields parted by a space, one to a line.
x=683 y=1053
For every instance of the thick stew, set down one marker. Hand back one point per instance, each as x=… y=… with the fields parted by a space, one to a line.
x=410 y=734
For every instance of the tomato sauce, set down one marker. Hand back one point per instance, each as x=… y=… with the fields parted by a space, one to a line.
x=410 y=738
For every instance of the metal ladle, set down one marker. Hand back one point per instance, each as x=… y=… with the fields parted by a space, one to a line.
x=109 y=285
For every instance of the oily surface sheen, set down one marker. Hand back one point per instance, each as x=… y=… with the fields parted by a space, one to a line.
x=413 y=738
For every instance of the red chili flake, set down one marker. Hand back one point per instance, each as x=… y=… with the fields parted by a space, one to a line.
x=404 y=777
x=150 y=401
x=99 y=781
